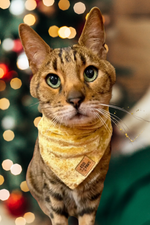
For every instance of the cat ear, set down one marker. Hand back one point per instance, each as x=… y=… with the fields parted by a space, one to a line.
x=34 y=46
x=93 y=34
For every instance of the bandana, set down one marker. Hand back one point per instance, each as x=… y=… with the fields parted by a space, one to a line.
x=72 y=153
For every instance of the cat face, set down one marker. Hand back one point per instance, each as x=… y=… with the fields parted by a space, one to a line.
x=71 y=83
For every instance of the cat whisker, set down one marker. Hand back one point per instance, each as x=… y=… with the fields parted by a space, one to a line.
x=102 y=120
x=123 y=110
x=34 y=104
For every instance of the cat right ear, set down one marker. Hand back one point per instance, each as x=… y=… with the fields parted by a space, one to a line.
x=34 y=46
x=93 y=34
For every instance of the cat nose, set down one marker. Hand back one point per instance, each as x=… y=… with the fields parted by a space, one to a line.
x=75 y=98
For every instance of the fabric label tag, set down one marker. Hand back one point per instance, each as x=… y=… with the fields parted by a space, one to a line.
x=85 y=166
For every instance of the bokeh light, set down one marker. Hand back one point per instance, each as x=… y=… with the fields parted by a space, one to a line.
x=22 y=62
x=48 y=2
x=1 y=179
x=64 y=4
x=8 y=135
x=24 y=186
x=15 y=83
x=8 y=122
x=30 y=5
x=2 y=85
x=29 y=217
x=72 y=33
x=3 y=70
x=4 y=103
x=53 y=31
x=8 y=44
x=17 y=7
x=16 y=169
x=29 y=19
x=7 y=164
x=20 y=221
x=79 y=7
x=4 y=4
x=4 y=194
x=36 y=121
x=64 y=32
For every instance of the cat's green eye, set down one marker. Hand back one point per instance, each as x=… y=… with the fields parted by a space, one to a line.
x=90 y=73
x=53 y=81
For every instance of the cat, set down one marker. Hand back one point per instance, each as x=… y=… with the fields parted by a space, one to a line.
x=74 y=87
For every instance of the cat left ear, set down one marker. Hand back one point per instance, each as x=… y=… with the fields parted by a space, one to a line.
x=34 y=46
x=93 y=34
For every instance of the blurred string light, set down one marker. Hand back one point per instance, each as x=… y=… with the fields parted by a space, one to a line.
x=15 y=83
x=8 y=135
x=37 y=120
x=2 y=85
x=64 y=4
x=4 y=4
x=17 y=45
x=79 y=7
x=20 y=221
x=4 y=103
x=8 y=44
x=30 y=5
x=3 y=70
x=48 y=2
x=29 y=19
x=29 y=217
x=17 y=7
x=53 y=31
x=62 y=32
x=22 y=62
x=4 y=194
x=24 y=187
x=16 y=169
x=7 y=164
x=8 y=122
x=1 y=179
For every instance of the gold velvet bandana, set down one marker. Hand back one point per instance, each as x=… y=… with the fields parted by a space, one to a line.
x=72 y=153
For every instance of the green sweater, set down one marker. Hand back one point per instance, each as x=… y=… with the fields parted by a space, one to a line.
x=126 y=195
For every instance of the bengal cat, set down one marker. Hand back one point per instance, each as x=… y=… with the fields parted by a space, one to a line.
x=74 y=87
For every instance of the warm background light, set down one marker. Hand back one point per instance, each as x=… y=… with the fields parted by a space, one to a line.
x=2 y=85
x=22 y=62
x=4 y=4
x=64 y=4
x=17 y=7
x=15 y=83
x=79 y=7
x=29 y=19
x=29 y=217
x=48 y=2
x=4 y=194
x=7 y=164
x=1 y=179
x=36 y=121
x=53 y=31
x=16 y=169
x=64 y=32
x=8 y=44
x=8 y=135
x=30 y=5
x=72 y=33
x=3 y=70
x=20 y=221
x=24 y=186
x=4 y=103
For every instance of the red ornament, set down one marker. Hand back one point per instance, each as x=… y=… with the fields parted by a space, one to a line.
x=3 y=70
x=17 y=204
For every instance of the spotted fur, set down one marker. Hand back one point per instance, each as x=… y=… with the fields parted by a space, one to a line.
x=63 y=105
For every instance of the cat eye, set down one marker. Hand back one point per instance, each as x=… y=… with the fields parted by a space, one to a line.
x=53 y=80
x=90 y=73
